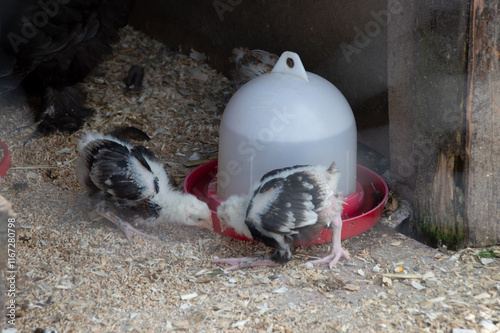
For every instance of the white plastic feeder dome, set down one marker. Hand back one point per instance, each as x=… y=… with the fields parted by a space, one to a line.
x=281 y=119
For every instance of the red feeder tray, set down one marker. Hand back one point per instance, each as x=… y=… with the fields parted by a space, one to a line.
x=362 y=209
x=5 y=162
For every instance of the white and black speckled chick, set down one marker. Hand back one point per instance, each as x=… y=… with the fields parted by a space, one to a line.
x=287 y=205
x=127 y=181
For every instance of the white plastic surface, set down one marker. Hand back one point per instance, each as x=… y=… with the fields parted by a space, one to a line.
x=283 y=67
x=284 y=118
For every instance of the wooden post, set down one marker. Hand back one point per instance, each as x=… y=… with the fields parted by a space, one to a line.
x=444 y=118
x=427 y=75
x=483 y=124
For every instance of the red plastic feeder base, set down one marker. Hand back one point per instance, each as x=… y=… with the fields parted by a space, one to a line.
x=362 y=209
x=5 y=162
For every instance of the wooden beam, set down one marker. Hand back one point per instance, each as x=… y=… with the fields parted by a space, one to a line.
x=402 y=55
x=483 y=124
x=427 y=75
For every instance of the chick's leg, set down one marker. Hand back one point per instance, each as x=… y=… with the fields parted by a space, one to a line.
x=124 y=226
x=244 y=262
x=337 y=250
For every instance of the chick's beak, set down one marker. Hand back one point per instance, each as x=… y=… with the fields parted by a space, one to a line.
x=207 y=223
x=222 y=224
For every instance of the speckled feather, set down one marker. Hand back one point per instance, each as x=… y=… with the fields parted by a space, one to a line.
x=299 y=197
x=250 y=64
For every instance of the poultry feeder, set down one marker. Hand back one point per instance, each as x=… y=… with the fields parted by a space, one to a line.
x=5 y=161
x=284 y=118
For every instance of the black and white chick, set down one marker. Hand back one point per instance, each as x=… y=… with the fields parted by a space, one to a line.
x=287 y=206
x=128 y=182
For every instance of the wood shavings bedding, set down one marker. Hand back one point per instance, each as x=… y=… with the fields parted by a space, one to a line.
x=77 y=273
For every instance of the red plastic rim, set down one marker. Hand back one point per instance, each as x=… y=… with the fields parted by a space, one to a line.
x=363 y=209
x=5 y=163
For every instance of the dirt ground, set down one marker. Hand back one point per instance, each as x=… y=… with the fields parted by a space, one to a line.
x=77 y=273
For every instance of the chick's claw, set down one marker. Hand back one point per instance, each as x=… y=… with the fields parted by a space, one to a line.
x=332 y=259
x=127 y=229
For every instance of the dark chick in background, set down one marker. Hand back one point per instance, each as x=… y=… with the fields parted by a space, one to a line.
x=48 y=46
x=128 y=183
x=249 y=64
